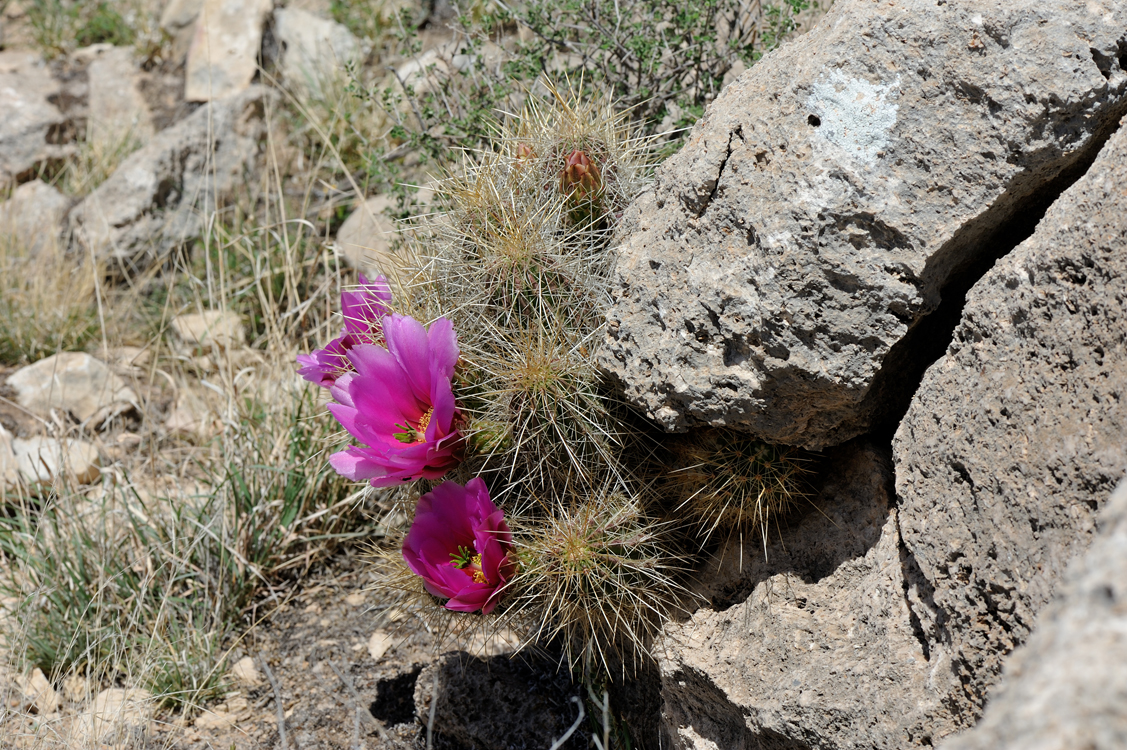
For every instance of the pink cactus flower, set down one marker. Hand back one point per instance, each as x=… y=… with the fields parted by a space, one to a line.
x=362 y=311
x=459 y=544
x=400 y=405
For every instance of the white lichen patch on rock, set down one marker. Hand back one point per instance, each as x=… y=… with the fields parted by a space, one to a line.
x=856 y=116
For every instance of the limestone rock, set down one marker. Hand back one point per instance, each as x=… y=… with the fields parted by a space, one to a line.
x=116 y=716
x=9 y=465
x=246 y=673
x=313 y=49
x=1018 y=435
x=43 y=459
x=179 y=13
x=223 y=57
x=810 y=643
x=31 y=219
x=215 y=328
x=1067 y=686
x=771 y=278
x=39 y=691
x=117 y=109
x=189 y=415
x=365 y=237
x=31 y=122
x=498 y=703
x=379 y=644
x=72 y=382
x=160 y=195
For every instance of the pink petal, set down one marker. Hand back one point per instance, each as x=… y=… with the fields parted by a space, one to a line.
x=407 y=342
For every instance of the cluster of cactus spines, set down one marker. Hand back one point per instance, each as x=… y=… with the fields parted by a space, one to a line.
x=728 y=481
x=519 y=262
x=597 y=579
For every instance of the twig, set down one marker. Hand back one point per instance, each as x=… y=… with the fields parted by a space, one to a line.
x=433 y=709
x=578 y=720
x=277 y=704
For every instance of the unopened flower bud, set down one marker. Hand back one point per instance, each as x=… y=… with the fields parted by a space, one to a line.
x=580 y=177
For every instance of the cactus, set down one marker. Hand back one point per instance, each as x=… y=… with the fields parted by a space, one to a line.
x=729 y=481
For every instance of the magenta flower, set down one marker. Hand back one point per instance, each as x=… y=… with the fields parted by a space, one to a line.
x=363 y=311
x=399 y=404
x=459 y=544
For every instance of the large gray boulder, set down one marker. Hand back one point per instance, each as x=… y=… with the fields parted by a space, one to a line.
x=161 y=196
x=810 y=642
x=1067 y=686
x=1018 y=435
x=771 y=278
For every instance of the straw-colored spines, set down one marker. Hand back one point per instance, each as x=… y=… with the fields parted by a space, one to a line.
x=727 y=480
x=519 y=263
x=596 y=578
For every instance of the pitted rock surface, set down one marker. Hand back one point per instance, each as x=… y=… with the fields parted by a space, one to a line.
x=1067 y=686
x=828 y=196
x=1018 y=435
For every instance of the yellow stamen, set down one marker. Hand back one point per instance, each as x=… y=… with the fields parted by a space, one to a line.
x=478 y=576
x=423 y=424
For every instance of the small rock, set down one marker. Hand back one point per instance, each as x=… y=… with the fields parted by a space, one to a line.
x=190 y=415
x=9 y=465
x=356 y=599
x=222 y=329
x=226 y=715
x=116 y=716
x=246 y=673
x=379 y=644
x=117 y=108
x=42 y=459
x=180 y=13
x=365 y=237
x=30 y=121
x=73 y=382
x=32 y=218
x=76 y=688
x=130 y=359
x=315 y=49
x=223 y=57
x=38 y=689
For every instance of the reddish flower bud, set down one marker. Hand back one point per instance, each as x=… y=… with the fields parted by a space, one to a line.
x=580 y=177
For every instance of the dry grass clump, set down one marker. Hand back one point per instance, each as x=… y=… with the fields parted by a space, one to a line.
x=47 y=300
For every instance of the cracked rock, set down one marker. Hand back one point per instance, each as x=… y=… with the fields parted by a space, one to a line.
x=811 y=642
x=31 y=123
x=1017 y=436
x=160 y=196
x=770 y=279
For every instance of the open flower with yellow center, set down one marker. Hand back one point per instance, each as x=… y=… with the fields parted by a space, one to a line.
x=400 y=405
x=460 y=545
